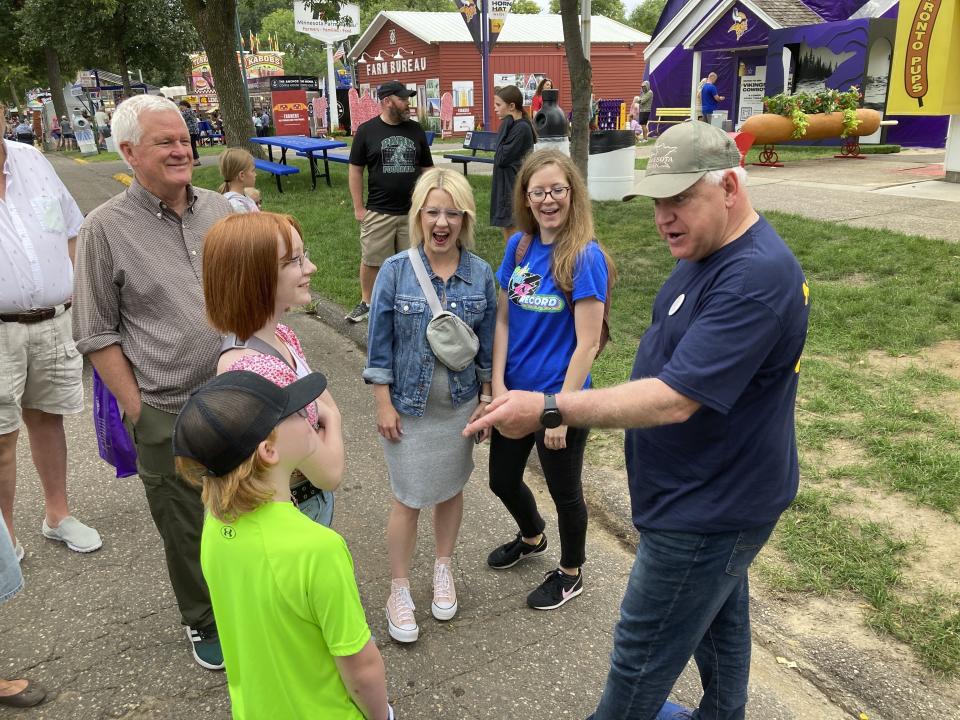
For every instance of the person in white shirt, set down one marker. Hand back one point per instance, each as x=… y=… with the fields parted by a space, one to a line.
x=103 y=126
x=41 y=382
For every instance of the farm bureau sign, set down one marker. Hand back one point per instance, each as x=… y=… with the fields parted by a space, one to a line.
x=392 y=67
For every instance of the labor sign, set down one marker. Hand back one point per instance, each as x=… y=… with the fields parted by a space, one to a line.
x=923 y=76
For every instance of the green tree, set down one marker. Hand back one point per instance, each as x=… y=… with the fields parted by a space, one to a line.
x=612 y=9
x=22 y=66
x=526 y=7
x=645 y=15
x=150 y=35
x=370 y=8
x=304 y=55
x=581 y=83
x=253 y=12
x=216 y=24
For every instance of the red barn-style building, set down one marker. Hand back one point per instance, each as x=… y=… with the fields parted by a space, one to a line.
x=434 y=53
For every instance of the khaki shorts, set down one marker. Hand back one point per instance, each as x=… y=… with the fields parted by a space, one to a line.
x=40 y=369
x=382 y=236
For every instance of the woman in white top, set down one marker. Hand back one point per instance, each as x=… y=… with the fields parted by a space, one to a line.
x=239 y=173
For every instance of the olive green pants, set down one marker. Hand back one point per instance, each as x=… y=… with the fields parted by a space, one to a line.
x=177 y=512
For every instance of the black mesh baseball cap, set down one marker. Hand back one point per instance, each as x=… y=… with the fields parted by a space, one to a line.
x=227 y=418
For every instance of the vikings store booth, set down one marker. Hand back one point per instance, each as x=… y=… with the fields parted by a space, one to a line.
x=765 y=47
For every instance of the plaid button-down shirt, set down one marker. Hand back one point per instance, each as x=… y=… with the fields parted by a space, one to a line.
x=139 y=284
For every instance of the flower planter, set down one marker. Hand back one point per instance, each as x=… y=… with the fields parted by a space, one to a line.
x=769 y=129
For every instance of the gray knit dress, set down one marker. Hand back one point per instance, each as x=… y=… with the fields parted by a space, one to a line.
x=432 y=461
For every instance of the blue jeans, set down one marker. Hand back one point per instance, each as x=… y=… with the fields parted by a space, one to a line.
x=11 y=580
x=319 y=508
x=688 y=595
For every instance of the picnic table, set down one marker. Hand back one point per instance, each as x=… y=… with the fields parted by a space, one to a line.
x=307 y=145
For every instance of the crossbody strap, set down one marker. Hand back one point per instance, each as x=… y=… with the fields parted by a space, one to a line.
x=231 y=342
x=428 y=291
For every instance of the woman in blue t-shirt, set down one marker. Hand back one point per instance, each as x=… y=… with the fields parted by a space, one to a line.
x=554 y=281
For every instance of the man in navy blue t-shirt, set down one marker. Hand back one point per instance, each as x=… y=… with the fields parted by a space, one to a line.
x=711 y=448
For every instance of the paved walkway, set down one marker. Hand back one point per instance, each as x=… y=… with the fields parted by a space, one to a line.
x=102 y=630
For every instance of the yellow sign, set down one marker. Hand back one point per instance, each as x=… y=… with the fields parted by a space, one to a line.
x=923 y=76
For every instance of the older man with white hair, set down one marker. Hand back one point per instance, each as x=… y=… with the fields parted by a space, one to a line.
x=711 y=449
x=140 y=318
x=40 y=381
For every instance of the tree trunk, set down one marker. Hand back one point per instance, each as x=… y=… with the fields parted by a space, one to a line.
x=55 y=80
x=124 y=73
x=581 y=80
x=15 y=95
x=215 y=21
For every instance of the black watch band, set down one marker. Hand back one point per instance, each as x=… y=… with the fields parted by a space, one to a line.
x=551 y=416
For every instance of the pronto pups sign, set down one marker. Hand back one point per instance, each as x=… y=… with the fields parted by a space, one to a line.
x=915 y=71
x=926 y=59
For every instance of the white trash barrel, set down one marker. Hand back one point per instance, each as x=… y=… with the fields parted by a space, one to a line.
x=610 y=165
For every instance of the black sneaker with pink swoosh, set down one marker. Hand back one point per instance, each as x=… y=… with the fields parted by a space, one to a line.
x=556 y=589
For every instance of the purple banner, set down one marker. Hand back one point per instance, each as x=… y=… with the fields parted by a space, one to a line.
x=470 y=11
x=831 y=10
x=737 y=28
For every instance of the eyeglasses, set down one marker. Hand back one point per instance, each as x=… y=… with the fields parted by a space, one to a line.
x=299 y=260
x=433 y=214
x=557 y=192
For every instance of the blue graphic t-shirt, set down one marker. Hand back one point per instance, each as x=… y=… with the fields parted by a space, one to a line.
x=727 y=331
x=542 y=331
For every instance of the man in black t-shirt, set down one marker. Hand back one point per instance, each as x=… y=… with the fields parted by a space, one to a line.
x=394 y=150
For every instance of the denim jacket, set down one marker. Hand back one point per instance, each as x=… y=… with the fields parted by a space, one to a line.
x=398 y=354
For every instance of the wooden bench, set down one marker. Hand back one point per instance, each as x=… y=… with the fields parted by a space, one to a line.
x=669 y=116
x=473 y=141
x=276 y=169
x=345 y=158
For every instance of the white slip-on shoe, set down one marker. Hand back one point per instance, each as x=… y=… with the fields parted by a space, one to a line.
x=77 y=536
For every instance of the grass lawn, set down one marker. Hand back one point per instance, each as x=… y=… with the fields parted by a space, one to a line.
x=871 y=290
x=105 y=156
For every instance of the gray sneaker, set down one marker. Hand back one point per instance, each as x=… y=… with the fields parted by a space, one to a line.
x=359 y=313
x=19 y=551
x=77 y=536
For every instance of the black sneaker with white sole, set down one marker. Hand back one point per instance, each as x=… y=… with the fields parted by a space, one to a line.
x=509 y=554
x=556 y=589
x=359 y=313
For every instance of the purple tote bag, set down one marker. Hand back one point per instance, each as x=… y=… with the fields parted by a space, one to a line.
x=116 y=446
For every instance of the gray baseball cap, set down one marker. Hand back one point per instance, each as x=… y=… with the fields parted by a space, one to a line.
x=682 y=155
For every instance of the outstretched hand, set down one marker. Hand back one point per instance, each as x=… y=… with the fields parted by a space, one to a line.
x=514 y=414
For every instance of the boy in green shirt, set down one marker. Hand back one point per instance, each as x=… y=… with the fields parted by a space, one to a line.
x=295 y=640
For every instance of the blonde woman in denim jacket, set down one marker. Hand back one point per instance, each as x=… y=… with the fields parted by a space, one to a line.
x=422 y=407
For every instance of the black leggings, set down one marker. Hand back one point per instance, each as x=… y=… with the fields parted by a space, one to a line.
x=562 y=470
x=193 y=146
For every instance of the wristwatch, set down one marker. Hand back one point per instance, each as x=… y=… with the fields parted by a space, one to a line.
x=551 y=416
